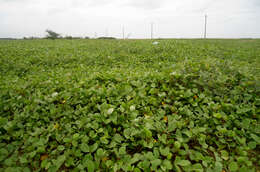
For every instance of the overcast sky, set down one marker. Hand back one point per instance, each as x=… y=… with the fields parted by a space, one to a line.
x=171 y=18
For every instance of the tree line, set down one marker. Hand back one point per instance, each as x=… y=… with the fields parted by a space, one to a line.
x=54 y=35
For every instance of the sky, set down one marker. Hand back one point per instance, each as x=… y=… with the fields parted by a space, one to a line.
x=95 y=18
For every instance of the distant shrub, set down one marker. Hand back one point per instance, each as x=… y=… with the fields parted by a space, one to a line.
x=52 y=35
x=31 y=37
x=72 y=37
x=68 y=37
x=76 y=37
x=105 y=37
x=8 y=39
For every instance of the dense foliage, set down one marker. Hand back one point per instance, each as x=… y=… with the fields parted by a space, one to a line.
x=129 y=105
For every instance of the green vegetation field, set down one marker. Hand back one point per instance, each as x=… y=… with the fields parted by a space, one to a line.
x=129 y=105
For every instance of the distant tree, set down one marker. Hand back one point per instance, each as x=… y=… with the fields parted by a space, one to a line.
x=52 y=35
x=106 y=37
x=77 y=37
x=68 y=37
x=86 y=37
x=31 y=37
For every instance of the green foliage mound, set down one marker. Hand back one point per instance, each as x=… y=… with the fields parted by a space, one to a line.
x=125 y=105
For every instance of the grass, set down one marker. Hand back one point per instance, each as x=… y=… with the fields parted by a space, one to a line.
x=129 y=105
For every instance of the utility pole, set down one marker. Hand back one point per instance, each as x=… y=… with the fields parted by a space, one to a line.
x=128 y=35
x=205 y=29
x=123 y=32
x=106 y=34
x=151 y=30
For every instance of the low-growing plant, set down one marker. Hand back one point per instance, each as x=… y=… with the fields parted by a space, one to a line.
x=94 y=105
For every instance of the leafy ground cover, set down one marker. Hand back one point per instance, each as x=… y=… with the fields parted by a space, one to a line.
x=113 y=105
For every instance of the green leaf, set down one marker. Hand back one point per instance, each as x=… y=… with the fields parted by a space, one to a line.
x=12 y=169
x=188 y=133
x=244 y=169
x=45 y=164
x=69 y=162
x=218 y=167
x=122 y=150
x=183 y=162
x=149 y=155
x=127 y=133
x=26 y=169
x=3 y=154
x=93 y=147
x=135 y=159
x=100 y=152
x=90 y=166
x=23 y=159
x=104 y=140
x=165 y=151
x=132 y=108
x=155 y=163
x=148 y=133
x=11 y=161
x=197 y=167
x=3 y=121
x=75 y=136
x=110 y=111
x=177 y=145
x=144 y=164
x=224 y=155
x=118 y=138
x=60 y=161
x=255 y=137
x=252 y=145
x=167 y=164
x=84 y=147
x=172 y=124
x=163 y=138
x=137 y=170
x=233 y=166
x=109 y=163
x=217 y=115
x=60 y=147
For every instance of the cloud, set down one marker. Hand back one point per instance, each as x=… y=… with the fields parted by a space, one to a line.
x=256 y=2
x=203 y=5
x=177 y=18
x=14 y=1
x=145 y=4
x=100 y=2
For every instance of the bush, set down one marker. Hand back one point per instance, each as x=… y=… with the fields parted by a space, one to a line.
x=104 y=37
x=52 y=35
